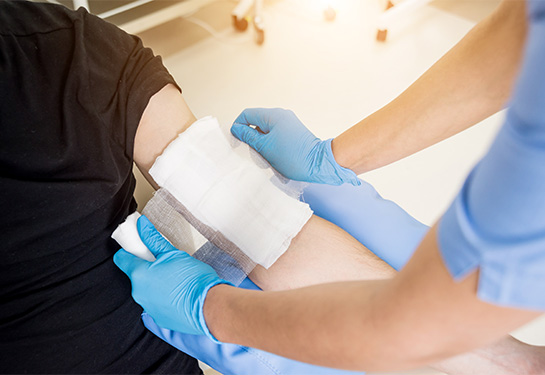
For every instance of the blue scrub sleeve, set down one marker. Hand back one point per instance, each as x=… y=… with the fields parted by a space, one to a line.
x=497 y=221
x=379 y=224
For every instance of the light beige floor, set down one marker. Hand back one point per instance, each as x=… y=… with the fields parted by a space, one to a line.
x=332 y=75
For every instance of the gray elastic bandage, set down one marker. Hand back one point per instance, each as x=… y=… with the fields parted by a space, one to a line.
x=174 y=221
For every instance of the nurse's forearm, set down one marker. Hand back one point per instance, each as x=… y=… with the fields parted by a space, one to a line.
x=321 y=254
x=291 y=323
x=471 y=82
x=418 y=317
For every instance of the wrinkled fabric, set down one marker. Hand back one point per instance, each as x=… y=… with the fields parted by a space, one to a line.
x=73 y=89
x=497 y=221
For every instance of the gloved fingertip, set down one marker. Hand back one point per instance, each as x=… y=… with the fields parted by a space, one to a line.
x=356 y=182
x=145 y=228
x=143 y=222
x=152 y=238
x=254 y=116
x=245 y=134
x=123 y=260
x=146 y=318
x=241 y=118
x=237 y=128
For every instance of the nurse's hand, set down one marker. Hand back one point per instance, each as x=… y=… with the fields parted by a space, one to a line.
x=172 y=289
x=290 y=147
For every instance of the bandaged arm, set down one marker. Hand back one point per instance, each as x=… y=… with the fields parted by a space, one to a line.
x=321 y=252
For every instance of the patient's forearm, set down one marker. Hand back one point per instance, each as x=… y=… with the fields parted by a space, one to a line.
x=322 y=252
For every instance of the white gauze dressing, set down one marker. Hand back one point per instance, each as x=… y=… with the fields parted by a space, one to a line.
x=235 y=195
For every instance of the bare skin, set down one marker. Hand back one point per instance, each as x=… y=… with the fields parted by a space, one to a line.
x=506 y=356
x=310 y=261
x=321 y=252
x=442 y=102
x=400 y=323
x=165 y=116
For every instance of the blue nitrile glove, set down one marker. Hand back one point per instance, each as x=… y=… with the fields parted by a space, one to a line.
x=290 y=147
x=232 y=359
x=172 y=289
x=379 y=224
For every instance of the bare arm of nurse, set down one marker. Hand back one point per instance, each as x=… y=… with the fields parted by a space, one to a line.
x=442 y=101
x=363 y=325
x=438 y=105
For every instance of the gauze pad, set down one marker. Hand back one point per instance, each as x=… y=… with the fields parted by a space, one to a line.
x=177 y=230
x=230 y=193
x=169 y=217
x=127 y=237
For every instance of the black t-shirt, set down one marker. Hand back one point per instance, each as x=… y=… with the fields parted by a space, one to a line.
x=72 y=91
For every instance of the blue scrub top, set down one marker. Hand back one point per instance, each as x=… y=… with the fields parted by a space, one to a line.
x=497 y=221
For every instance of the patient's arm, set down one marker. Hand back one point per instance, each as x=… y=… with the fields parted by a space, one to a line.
x=322 y=252
x=165 y=116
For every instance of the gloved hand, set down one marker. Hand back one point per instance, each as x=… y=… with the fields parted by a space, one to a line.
x=172 y=289
x=232 y=359
x=290 y=147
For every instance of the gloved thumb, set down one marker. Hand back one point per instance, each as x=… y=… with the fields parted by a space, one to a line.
x=127 y=262
x=152 y=238
x=248 y=135
x=347 y=176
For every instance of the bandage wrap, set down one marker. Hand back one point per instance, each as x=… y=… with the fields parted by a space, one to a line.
x=229 y=194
